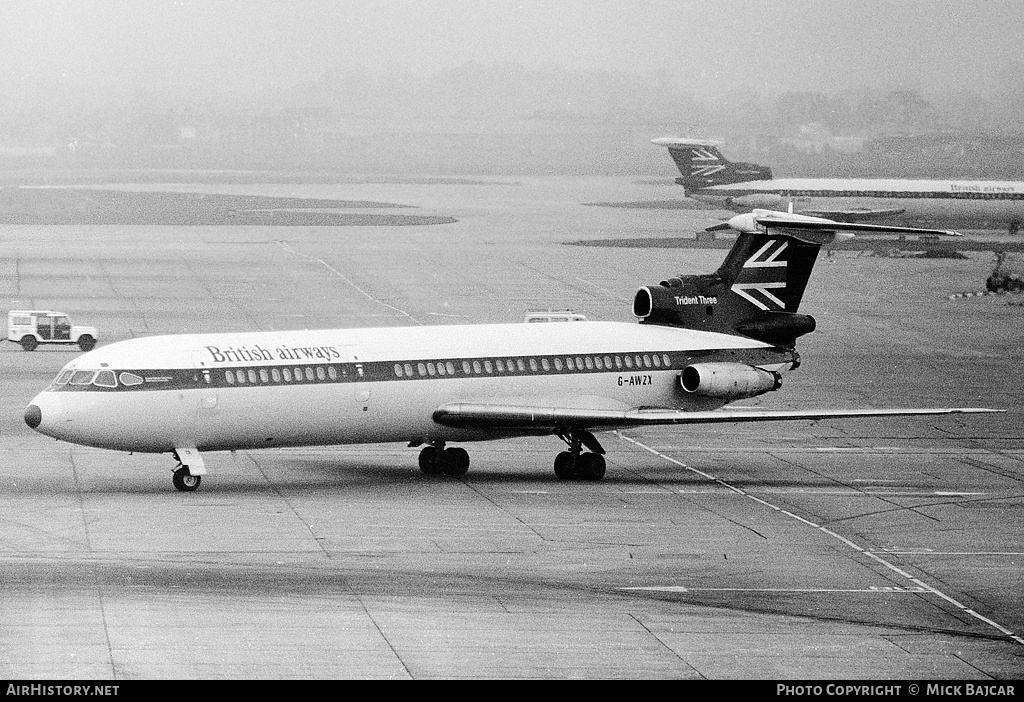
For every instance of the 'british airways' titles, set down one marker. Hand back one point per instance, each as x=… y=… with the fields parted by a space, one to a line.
x=243 y=354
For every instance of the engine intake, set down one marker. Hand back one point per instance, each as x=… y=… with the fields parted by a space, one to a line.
x=728 y=381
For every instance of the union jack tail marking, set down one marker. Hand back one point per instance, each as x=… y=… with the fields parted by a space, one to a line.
x=763 y=272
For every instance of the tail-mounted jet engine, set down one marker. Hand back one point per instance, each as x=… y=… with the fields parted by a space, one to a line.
x=728 y=381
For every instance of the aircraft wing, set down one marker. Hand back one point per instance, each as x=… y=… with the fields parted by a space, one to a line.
x=854 y=214
x=508 y=416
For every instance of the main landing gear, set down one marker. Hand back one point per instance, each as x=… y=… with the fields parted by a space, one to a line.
x=576 y=465
x=435 y=459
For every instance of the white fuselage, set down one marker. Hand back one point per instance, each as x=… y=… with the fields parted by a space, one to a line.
x=274 y=389
x=933 y=200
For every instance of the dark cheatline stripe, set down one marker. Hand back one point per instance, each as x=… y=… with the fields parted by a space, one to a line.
x=886 y=194
x=387 y=371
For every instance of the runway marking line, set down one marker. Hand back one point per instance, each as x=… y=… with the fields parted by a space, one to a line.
x=287 y=247
x=933 y=552
x=885 y=590
x=839 y=537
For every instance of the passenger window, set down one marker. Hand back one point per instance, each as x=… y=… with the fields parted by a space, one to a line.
x=544 y=364
x=597 y=363
x=608 y=362
x=264 y=378
x=332 y=372
x=451 y=367
x=286 y=372
x=647 y=361
x=240 y=376
x=466 y=368
x=618 y=363
x=558 y=364
x=228 y=376
x=252 y=376
x=408 y=369
x=666 y=360
x=629 y=362
x=476 y=367
x=309 y=373
x=500 y=365
x=590 y=363
x=533 y=364
x=488 y=367
x=421 y=368
x=569 y=364
x=520 y=365
x=657 y=360
x=579 y=363
x=275 y=374
x=298 y=375
x=440 y=368
x=430 y=369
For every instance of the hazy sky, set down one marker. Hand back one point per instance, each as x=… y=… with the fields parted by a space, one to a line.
x=206 y=46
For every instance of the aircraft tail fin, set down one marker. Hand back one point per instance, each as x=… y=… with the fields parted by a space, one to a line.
x=757 y=290
x=702 y=165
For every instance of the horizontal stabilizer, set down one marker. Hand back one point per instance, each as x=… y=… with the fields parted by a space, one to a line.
x=854 y=214
x=495 y=416
x=763 y=220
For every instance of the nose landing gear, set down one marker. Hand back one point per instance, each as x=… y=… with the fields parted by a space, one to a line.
x=190 y=468
x=184 y=481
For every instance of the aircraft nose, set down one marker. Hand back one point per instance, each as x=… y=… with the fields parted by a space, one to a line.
x=33 y=416
x=45 y=414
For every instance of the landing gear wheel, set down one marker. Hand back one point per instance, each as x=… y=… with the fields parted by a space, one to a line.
x=565 y=466
x=29 y=343
x=591 y=466
x=455 y=461
x=184 y=481
x=430 y=460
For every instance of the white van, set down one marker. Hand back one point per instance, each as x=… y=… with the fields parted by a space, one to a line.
x=33 y=327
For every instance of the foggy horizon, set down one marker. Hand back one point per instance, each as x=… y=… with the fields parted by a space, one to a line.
x=197 y=50
x=530 y=86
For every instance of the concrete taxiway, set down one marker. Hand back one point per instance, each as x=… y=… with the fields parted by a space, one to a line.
x=876 y=548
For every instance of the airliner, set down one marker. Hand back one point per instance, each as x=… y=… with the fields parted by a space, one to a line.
x=709 y=177
x=702 y=342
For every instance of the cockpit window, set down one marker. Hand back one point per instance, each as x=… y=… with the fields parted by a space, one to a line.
x=130 y=379
x=63 y=377
x=105 y=379
x=82 y=377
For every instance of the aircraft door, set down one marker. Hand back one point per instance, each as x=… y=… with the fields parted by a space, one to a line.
x=361 y=390
x=207 y=402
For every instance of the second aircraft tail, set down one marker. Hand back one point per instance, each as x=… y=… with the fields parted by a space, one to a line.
x=702 y=165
